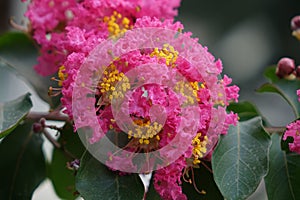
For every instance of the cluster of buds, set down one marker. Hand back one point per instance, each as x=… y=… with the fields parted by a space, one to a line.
x=287 y=69
x=38 y=127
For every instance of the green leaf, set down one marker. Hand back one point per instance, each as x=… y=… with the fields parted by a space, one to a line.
x=151 y=193
x=285 y=88
x=18 y=53
x=240 y=159
x=95 y=181
x=205 y=182
x=283 y=179
x=22 y=163
x=62 y=178
x=244 y=109
x=12 y=113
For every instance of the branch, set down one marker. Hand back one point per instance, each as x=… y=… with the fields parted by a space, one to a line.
x=273 y=130
x=55 y=116
x=58 y=145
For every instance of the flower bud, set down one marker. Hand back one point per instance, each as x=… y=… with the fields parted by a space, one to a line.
x=43 y=122
x=298 y=71
x=37 y=127
x=295 y=23
x=285 y=67
x=295 y=26
x=74 y=165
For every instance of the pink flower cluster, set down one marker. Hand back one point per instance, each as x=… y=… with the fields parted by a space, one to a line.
x=69 y=30
x=54 y=22
x=212 y=95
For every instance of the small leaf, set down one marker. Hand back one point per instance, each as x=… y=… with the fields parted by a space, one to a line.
x=285 y=88
x=204 y=181
x=18 y=53
x=62 y=178
x=22 y=163
x=244 y=109
x=12 y=113
x=283 y=179
x=95 y=181
x=240 y=159
x=151 y=193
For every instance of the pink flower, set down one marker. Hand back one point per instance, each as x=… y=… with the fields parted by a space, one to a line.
x=232 y=92
x=167 y=181
x=171 y=86
x=47 y=20
x=293 y=130
x=53 y=23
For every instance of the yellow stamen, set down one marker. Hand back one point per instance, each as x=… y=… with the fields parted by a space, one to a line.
x=199 y=147
x=168 y=53
x=117 y=24
x=61 y=75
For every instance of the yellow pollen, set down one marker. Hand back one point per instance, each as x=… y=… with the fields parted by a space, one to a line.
x=61 y=75
x=168 y=53
x=189 y=91
x=111 y=76
x=117 y=24
x=199 y=147
x=145 y=131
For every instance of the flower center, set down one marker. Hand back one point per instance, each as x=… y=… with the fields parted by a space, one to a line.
x=117 y=25
x=111 y=76
x=199 y=147
x=145 y=131
x=168 y=53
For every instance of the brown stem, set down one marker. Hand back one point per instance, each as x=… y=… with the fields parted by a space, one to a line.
x=273 y=130
x=55 y=116
x=58 y=145
x=207 y=167
x=17 y=26
x=51 y=139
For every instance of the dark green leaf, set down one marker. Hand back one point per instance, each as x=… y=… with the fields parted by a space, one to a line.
x=22 y=163
x=205 y=182
x=240 y=159
x=95 y=181
x=285 y=88
x=13 y=112
x=62 y=178
x=151 y=193
x=244 y=109
x=17 y=52
x=283 y=179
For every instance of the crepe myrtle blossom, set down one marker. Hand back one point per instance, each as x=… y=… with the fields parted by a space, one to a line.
x=52 y=23
x=159 y=113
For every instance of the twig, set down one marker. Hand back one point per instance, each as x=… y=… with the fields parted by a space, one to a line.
x=17 y=26
x=273 y=130
x=51 y=139
x=58 y=145
x=55 y=116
